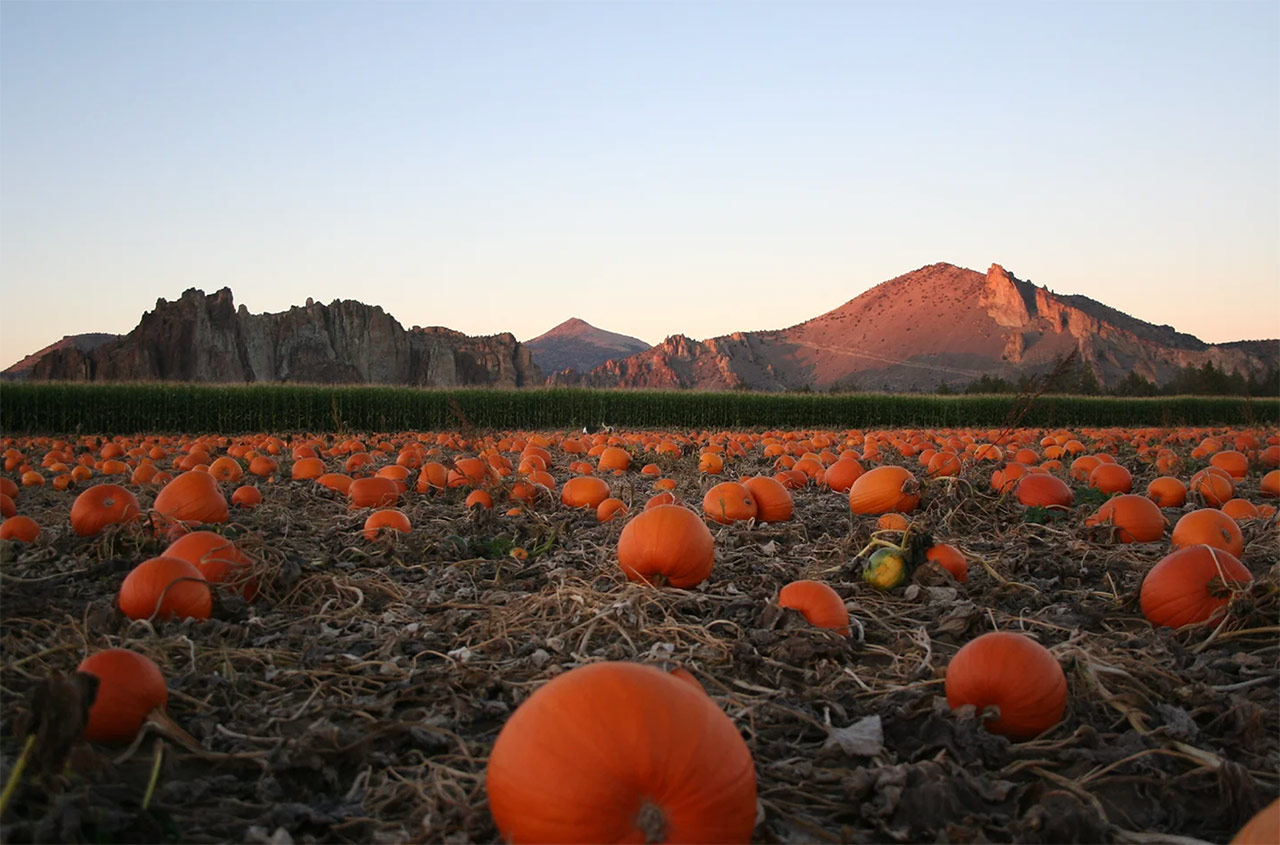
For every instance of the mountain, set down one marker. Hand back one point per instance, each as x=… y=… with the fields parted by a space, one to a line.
x=82 y=342
x=576 y=344
x=938 y=324
x=203 y=338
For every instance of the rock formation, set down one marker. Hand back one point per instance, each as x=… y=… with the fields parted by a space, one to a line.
x=203 y=338
x=938 y=324
x=577 y=345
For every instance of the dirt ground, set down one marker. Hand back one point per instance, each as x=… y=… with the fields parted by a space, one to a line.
x=358 y=698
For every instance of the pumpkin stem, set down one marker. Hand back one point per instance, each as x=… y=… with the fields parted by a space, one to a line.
x=652 y=822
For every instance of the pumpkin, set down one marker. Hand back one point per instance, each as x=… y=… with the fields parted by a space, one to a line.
x=1016 y=674
x=841 y=474
x=468 y=472
x=1240 y=509
x=1006 y=478
x=614 y=458
x=885 y=569
x=102 y=505
x=584 y=491
x=773 y=501
x=335 y=481
x=22 y=528
x=192 y=496
x=130 y=686
x=666 y=497
x=884 y=489
x=262 y=466
x=1262 y=829
x=609 y=509
x=373 y=491
x=892 y=522
x=217 y=558
x=1189 y=585
x=1137 y=519
x=729 y=502
x=666 y=544
x=819 y=604
x=1042 y=490
x=710 y=463
x=1208 y=526
x=388 y=520
x=949 y=558
x=165 y=587
x=307 y=469
x=479 y=499
x=1167 y=492
x=1213 y=486
x=31 y=478
x=637 y=756
x=944 y=464
x=246 y=496
x=1236 y=464
x=1111 y=478
x=7 y=507
x=1269 y=486
x=225 y=469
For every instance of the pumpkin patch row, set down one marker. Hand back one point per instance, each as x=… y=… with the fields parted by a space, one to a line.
x=674 y=507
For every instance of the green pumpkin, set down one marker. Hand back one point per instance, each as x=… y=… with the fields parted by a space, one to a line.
x=885 y=569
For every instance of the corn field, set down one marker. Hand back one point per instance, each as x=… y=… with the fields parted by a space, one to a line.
x=47 y=407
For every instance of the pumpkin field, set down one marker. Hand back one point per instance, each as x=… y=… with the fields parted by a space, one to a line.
x=643 y=634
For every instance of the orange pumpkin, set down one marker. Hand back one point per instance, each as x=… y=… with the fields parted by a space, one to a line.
x=1269 y=486
x=584 y=491
x=1015 y=673
x=226 y=469
x=246 y=496
x=373 y=491
x=1236 y=464
x=130 y=686
x=165 y=587
x=22 y=528
x=192 y=496
x=841 y=474
x=944 y=464
x=1167 y=492
x=1181 y=589
x=1111 y=478
x=1043 y=490
x=388 y=520
x=666 y=544
x=307 y=469
x=773 y=501
x=433 y=476
x=218 y=559
x=1213 y=486
x=1262 y=829
x=1007 y=477
x=638 y=756
x=610 y=509
x=949 y=558
x=335 y=481
x=1137 y=519
x=479 y=499
x=729 y=502
x=884 y=489
x=1210 y=527
x=666 y=497
x=7 y=507
x=614 y=458
x=1240 y=509
x=819 y=604
x=102 y=505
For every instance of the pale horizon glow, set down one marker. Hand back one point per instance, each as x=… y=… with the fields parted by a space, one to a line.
x=653 y=168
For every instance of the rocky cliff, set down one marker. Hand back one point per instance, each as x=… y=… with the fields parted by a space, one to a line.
x=938 y=324
x=83 y=342
x=203 y=338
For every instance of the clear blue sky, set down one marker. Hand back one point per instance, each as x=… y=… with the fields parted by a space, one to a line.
x=652 y=167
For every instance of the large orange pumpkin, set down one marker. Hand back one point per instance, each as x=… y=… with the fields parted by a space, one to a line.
x=103 y=505
x=19 y=527
x=1214 y=486
x=584 y=491
x=390 y=520
x=1167 y=492
x=1262 y=829
x=884 y=489
x=130 y=686
x=667 y=543
x=1181 y=588
x=1015 y=673
x=773 y=501
x=373 y=491
x=841 y=474
x=1137 y=519
x=165 y=587
x=192 y=496
x=819 y=604
x=620 y=752
x=1111 y=478
x=217 y=558
x=949 y=558
x=729 y=502
x=1042 y=490
x=1208 y=526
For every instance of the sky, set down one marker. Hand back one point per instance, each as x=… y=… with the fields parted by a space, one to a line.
x=651 y=167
